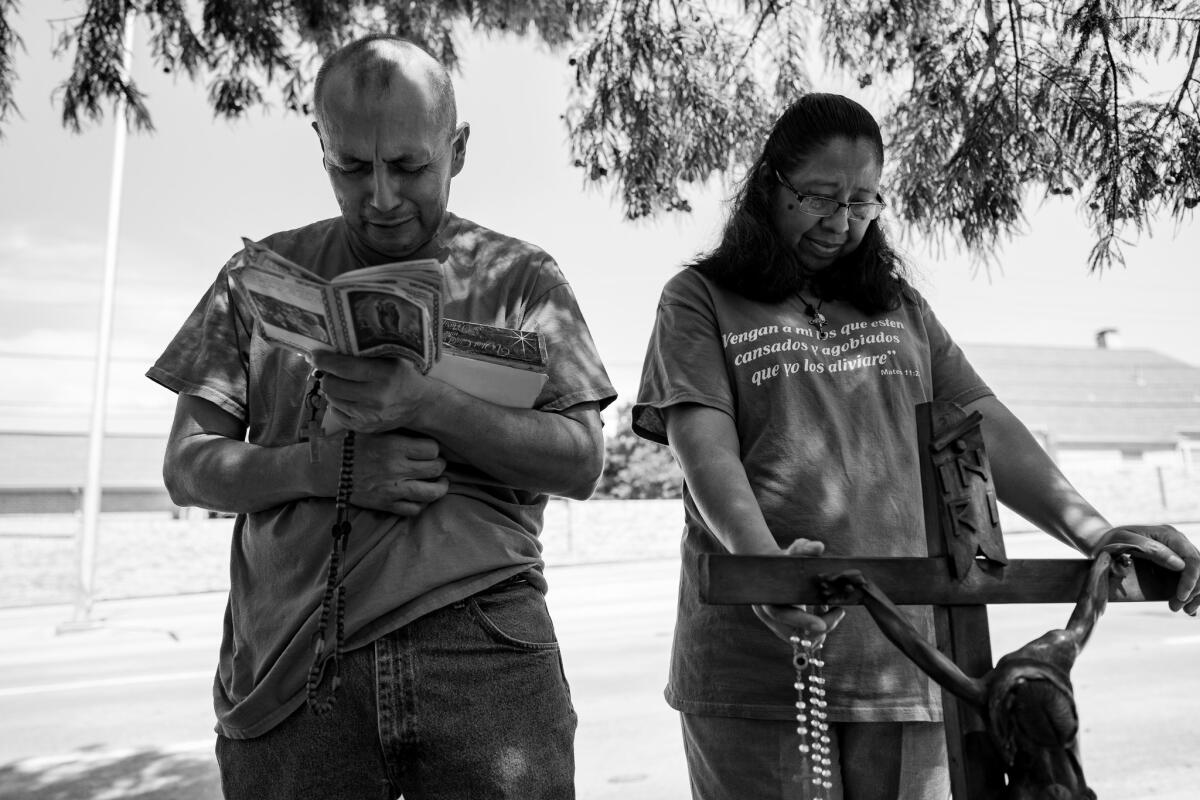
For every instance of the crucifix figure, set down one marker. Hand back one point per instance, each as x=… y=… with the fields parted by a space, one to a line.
x=1027 y=701
x=1011 y=729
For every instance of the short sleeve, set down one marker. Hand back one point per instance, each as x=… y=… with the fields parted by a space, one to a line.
x=954 y=379
x=685 y=362
x=209 y=356
x=576 y=373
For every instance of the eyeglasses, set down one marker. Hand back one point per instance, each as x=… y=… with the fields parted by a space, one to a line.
x=819 y=206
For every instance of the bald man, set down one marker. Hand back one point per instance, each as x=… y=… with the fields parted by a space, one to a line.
x=448 y=681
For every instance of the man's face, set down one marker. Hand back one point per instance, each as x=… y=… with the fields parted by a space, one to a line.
x=390 y=157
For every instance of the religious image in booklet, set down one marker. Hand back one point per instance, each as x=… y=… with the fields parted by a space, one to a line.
x=388 y=310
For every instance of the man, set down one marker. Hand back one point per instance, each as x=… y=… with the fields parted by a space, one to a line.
x=451 y=685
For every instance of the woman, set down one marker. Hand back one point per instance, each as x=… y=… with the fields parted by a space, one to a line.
x=784 y=370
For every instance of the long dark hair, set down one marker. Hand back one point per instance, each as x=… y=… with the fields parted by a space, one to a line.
x=750 y=258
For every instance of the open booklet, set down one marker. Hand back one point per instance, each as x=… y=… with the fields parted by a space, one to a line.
x=390 y=310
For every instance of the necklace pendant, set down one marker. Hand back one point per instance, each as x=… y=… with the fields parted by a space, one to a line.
x=815 y=317
x=310 y=426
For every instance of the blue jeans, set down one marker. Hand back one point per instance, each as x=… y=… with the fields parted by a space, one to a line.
x=467 y=702
x=734 y=759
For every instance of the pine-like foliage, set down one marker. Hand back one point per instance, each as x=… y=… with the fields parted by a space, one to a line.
x=242 y=48
x=987 y=101
x=636 y=468
x=9 y=42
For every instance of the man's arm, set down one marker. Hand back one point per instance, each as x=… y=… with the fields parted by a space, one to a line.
x=208 y=464
x=1030 y=483
x=558 y=453
x=553 y=453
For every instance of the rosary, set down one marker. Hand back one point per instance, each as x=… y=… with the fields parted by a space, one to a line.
x=812 y=720
x=333 y=603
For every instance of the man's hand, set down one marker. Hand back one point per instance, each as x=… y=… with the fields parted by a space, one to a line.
x=807 y=623
x=397 y=473
x=370 y=395
x=1167 y=547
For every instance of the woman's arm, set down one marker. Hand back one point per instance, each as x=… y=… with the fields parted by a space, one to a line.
x=705 y=443
x=1031 y=484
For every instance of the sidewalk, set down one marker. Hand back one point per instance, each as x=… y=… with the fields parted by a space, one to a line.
x=123 y=711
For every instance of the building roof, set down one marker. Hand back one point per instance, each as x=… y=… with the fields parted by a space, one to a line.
x=1078 y=396
x=1092 y=396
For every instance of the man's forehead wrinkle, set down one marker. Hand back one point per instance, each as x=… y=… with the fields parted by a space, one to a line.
x=372 y=143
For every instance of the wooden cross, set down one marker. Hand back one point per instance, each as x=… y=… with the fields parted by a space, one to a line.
x=966 y=570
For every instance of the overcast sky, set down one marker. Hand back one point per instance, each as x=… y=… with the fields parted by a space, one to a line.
x=196 y=185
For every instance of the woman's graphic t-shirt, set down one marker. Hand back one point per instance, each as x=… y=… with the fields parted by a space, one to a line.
x=827 y=427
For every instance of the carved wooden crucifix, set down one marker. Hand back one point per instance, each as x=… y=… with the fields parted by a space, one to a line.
x=966 y=570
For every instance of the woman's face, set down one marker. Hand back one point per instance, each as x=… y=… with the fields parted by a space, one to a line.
x=844 y=169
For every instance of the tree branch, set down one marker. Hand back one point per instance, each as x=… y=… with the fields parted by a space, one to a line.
x=1014 y=19
x=1189 y=76
x=1114 y=196
x=9 y=41
x=770 y=9
x=662 y=102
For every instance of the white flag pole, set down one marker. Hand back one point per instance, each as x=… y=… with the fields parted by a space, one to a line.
x=86 y=539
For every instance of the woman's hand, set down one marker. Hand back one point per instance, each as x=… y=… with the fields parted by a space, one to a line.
x=807 y=622
x=1170 y=549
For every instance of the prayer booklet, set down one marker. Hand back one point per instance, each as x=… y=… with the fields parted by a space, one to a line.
x=390 y=310
x=503 y=365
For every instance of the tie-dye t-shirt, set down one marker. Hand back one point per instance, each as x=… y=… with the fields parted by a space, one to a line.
x=827 y=428
x=395 y=569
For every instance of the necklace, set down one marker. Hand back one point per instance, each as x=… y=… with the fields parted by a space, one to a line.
x=812 y=722
x=815 y=317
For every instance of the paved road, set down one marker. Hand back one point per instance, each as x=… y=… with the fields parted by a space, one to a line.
x=122 y=710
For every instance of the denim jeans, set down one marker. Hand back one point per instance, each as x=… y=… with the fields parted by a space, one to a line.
x=735 y=759
x=467 y=702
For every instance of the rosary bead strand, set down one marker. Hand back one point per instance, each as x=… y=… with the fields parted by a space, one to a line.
x=812 y=718
x=334 y=600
